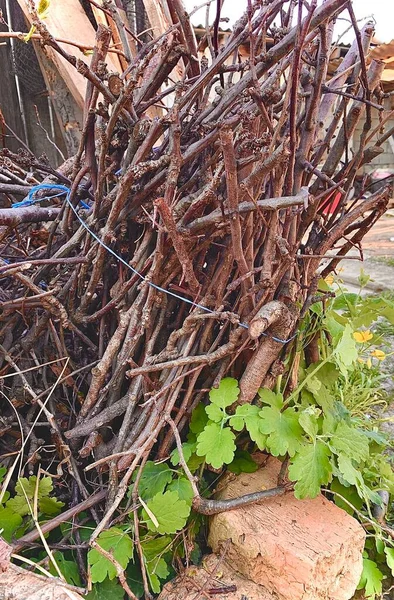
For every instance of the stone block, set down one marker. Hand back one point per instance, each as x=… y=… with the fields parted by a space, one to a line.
x=297 y=549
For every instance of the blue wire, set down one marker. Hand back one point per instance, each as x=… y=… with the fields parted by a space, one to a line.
x=65 y=190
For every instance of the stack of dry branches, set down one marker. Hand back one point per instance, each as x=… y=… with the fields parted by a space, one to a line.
x=212 y=190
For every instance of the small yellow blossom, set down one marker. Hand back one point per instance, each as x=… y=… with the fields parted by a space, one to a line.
x=362 y=336
x=368 y=362
x=379 y=354
x=329 y=279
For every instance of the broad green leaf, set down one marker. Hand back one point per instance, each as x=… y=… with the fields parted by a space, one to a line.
x=116 y=542
x=314 y=384
x=26 y=492
x=351 y=442
x=9 y=523
x=182 y=486
x=353 y=476
x=199 y=419
x=105 y=590
x=50 y=506
x=68 y=568
x=216 y=444
x=308 y=421
x=19 y=505
x=134 y=579
x=389 y=552
x=242 y=463
x=346 y=350
x=157 y=569
x=154 y=479
x=188 y=448
x=156 y=566
x=348 y=493
x=269 y=397
x=333 y=325
x=155 y=546
x=170 y=512
x=349 y=473
x=226 y=394
x=215 y=413
x=3 y=471
x=371 y=579
x=283 y=429
x=328 y=374
x=310 y=468
x=342 y=301
x=248 y=416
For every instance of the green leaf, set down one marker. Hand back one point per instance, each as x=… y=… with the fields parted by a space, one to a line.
x=199 y=419
x=389 y=552
x=308 y=421
x=351 y=442
x=310 y=468
x=349 y=473
x=333 y=325
x=9 y=523
x=248 y=416
x=134 y=579
x=242 y=463
x=170 y=512
x=269 y=397
x=116 y=542
x=182 y=486
x=215 y=413
x=26 y=492
x=349 y=493
x=285 y=433
x=371 y=579
x=154 y=479
x=68 y=568
x=188 y=448
x=50 y=506
x=157 y=569
x=156 y=566
x=216 y=444
x=342 y=301
x=3 y=471
x=27 y=487
x=105 y=590
x=346 y=350
x=19 y=505
x=226 y=394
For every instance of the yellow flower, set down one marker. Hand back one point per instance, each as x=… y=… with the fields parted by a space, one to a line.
x=379 y=354
x=362 y=336
x=329 y=279
x=369 y=363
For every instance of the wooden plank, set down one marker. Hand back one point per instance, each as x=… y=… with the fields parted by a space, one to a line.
x=67 y=20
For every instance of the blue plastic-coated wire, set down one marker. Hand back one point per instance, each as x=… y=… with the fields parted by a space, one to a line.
x=65 y=190
x=30 y=199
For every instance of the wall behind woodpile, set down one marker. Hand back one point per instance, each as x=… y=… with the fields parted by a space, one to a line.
x=19 y=67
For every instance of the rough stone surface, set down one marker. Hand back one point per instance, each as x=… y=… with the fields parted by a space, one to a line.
x=298 y=549
x=214 y=575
